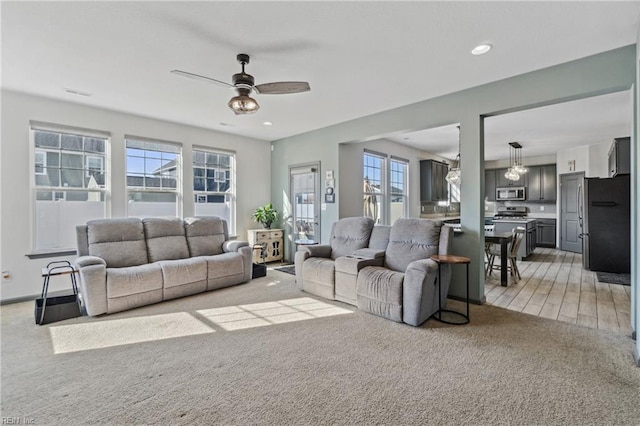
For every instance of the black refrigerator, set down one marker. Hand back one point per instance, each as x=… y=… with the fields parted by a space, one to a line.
x=605 y=216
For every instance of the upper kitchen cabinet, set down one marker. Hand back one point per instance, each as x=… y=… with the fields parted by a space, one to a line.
x=433 y=186
x=542 y=183
x=490 y=185
x=502 y=181
x=619 y=157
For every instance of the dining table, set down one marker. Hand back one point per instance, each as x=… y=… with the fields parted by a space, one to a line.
x=502 y=238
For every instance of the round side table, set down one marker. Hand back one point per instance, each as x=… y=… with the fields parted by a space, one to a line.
x=299 y=243
x=451 y=260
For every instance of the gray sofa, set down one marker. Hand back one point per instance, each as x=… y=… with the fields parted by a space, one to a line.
x=390 y=274
x=128 y=262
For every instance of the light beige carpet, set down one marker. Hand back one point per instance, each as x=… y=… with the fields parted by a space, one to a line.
x=266 y=353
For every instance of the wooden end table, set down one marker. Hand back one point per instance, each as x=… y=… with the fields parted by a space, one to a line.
x=450 y=260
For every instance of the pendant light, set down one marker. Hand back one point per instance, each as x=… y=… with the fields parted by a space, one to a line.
x=515 y=159
x=454 y=177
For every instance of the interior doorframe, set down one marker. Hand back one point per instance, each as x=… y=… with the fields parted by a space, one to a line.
x=560 y=230
x=289 y=221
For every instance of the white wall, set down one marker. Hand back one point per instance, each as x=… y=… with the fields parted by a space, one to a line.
x=590 y=159
x=15 y=218
x=350 y=167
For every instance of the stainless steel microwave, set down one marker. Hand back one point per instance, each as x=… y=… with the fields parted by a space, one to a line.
x=510 y=193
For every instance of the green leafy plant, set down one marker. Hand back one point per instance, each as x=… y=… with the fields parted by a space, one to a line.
x=265 y=215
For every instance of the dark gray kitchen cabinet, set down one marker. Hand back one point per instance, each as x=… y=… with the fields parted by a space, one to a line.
x=546 y=235
x=433 y=186
x=490 y=185
x=502 y=182
x=542 y=183
x=620 y=157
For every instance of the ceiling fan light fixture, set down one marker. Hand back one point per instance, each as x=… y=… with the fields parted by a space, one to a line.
x=243 y=104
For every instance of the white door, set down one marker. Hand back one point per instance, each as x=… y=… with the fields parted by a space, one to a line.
x=305 y=204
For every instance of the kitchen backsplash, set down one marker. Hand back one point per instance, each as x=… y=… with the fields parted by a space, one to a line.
x=546 y=210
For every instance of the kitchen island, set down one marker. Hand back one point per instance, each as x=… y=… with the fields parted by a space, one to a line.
x=528 y=244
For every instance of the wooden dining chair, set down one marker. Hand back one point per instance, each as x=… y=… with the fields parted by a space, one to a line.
x=492 y=252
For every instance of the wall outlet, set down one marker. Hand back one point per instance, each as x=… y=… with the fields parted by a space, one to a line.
x=541 y=208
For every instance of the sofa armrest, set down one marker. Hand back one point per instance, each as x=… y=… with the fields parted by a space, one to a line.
x=230 y=246
x=92 y=274
x=300 y=257
x=316 y=251
x=369 y=253
x=420 y=290
x=83 y=261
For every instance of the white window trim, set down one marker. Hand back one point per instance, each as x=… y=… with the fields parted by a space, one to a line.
x=231 y=192
x=47 y=127
x=36 y=154
x=178 y=175
x=384 y=205
x=405 y=193
x=87 y=157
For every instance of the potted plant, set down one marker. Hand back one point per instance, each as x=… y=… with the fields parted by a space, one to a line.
x=265 y=215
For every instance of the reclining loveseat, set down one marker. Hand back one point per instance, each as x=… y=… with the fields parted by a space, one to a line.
x=129 y=262
x=388 y=272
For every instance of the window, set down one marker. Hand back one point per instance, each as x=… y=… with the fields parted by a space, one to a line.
x=373 y=189
x=385 y=192
x=67 y=188
x=153 y=176
x=398 y=189
x=214 y=185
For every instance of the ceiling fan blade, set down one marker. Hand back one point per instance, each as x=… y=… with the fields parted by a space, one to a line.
x=201 y=78
x=282 y=87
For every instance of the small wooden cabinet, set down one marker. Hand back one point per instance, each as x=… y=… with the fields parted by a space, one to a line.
x=503 y=182
x=619 y=157
x=271 y=240
x=542 y=183
x=546 y=236
x=433 y=186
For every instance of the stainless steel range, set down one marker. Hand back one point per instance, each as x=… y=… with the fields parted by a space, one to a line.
x=513 y=213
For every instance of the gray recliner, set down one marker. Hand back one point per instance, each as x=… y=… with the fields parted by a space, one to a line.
x=405 y=288
x=315 y=265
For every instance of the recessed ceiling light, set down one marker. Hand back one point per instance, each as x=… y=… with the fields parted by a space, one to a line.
x=222 y=123
x=268 y=123
x=481 y=49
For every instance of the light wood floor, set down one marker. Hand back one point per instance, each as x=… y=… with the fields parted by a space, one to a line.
x=554 y=285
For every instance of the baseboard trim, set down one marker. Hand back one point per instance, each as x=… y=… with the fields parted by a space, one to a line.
x=33 y=297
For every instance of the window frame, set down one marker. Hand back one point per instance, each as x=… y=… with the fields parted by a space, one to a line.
x=405 y=184
x=59 y=193
x=229 y=194
x=383 y=190
x=131 y=189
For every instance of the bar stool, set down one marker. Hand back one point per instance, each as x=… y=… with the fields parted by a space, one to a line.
x=451 y=260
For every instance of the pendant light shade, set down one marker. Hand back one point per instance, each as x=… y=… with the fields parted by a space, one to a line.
x=243 y=104
x=515 y=158
x=454 y=176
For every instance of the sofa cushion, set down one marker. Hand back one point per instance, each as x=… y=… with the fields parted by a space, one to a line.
x=165 y=238
x=224 y=270
x=350 y=234
x=183 y=271
x=318 y=277
x=411 y=239
x=205 y=235
x=123 y=282
x=379 y=292
x=120 y=242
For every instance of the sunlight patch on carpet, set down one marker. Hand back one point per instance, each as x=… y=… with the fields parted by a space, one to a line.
x=268 y=313
x=104 y=334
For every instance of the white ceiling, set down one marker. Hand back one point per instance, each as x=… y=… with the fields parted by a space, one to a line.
x=359 y=57
x=540 y=131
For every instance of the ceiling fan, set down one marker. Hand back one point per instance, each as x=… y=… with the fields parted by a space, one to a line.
x=244 y=84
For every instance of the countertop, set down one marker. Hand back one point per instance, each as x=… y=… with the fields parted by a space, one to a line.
x=514 y=220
